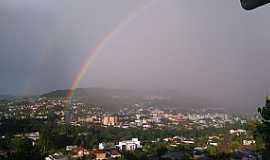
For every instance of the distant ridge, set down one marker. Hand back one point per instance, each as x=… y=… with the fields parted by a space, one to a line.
x=115 y=99
x=6 y=97
x=56 y=93
x=82 y=92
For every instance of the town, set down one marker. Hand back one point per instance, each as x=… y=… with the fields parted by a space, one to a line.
x=87 y=131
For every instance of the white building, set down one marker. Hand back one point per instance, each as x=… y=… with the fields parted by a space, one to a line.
x=101 y=146
x=213 y=144
x=56 y=156
x=70 y=148
x=248 y=142
x=33 y=136
x=238 y=131
x=129 y=145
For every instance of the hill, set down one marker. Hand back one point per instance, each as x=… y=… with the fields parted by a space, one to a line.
x=6 y=97
x=115 y=99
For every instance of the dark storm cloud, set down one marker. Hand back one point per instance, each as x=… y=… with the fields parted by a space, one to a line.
x=43 y=43
x=212 y=49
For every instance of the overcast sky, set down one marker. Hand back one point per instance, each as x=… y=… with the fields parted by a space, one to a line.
x=208 y=48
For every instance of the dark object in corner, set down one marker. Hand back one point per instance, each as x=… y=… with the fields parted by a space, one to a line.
x=252 y=4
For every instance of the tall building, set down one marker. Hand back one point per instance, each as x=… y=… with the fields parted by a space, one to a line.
x=67 y=113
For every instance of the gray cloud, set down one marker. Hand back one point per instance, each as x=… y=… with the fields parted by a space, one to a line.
x=212 y=49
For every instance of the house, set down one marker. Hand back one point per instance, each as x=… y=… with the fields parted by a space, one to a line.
x=248 y=142
x=238 y=131
x=105 y=146
x=33 y=136
x=188 y=141
x=70 y=148
x=129 y=145
x=80 y=152
x=99 y=154
x=56 y=156
x=114 y=154
x=213 y=143
x=101 y=146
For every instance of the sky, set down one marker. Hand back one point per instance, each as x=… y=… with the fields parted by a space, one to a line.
x=212 y=49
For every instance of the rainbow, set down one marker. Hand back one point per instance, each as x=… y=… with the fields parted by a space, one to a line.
x=94 y=52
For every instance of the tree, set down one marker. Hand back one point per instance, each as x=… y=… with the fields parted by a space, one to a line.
x=135 y=155
x=252 y=127
x=24 y=149
x=161 y=150
x=46 y=133
x=212 y=150
x=264 y=127
x=235 y=145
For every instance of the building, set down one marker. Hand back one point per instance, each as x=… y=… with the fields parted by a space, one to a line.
x=80 y=152
x=67 y=113
x=88 y=119
x=129 y=145
x=56 y=156
x=238 y=131
x=70 y=148
x=114 y=154
x=248 y=142
x=110 y=120
x=99 y=154
x=33 y=136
